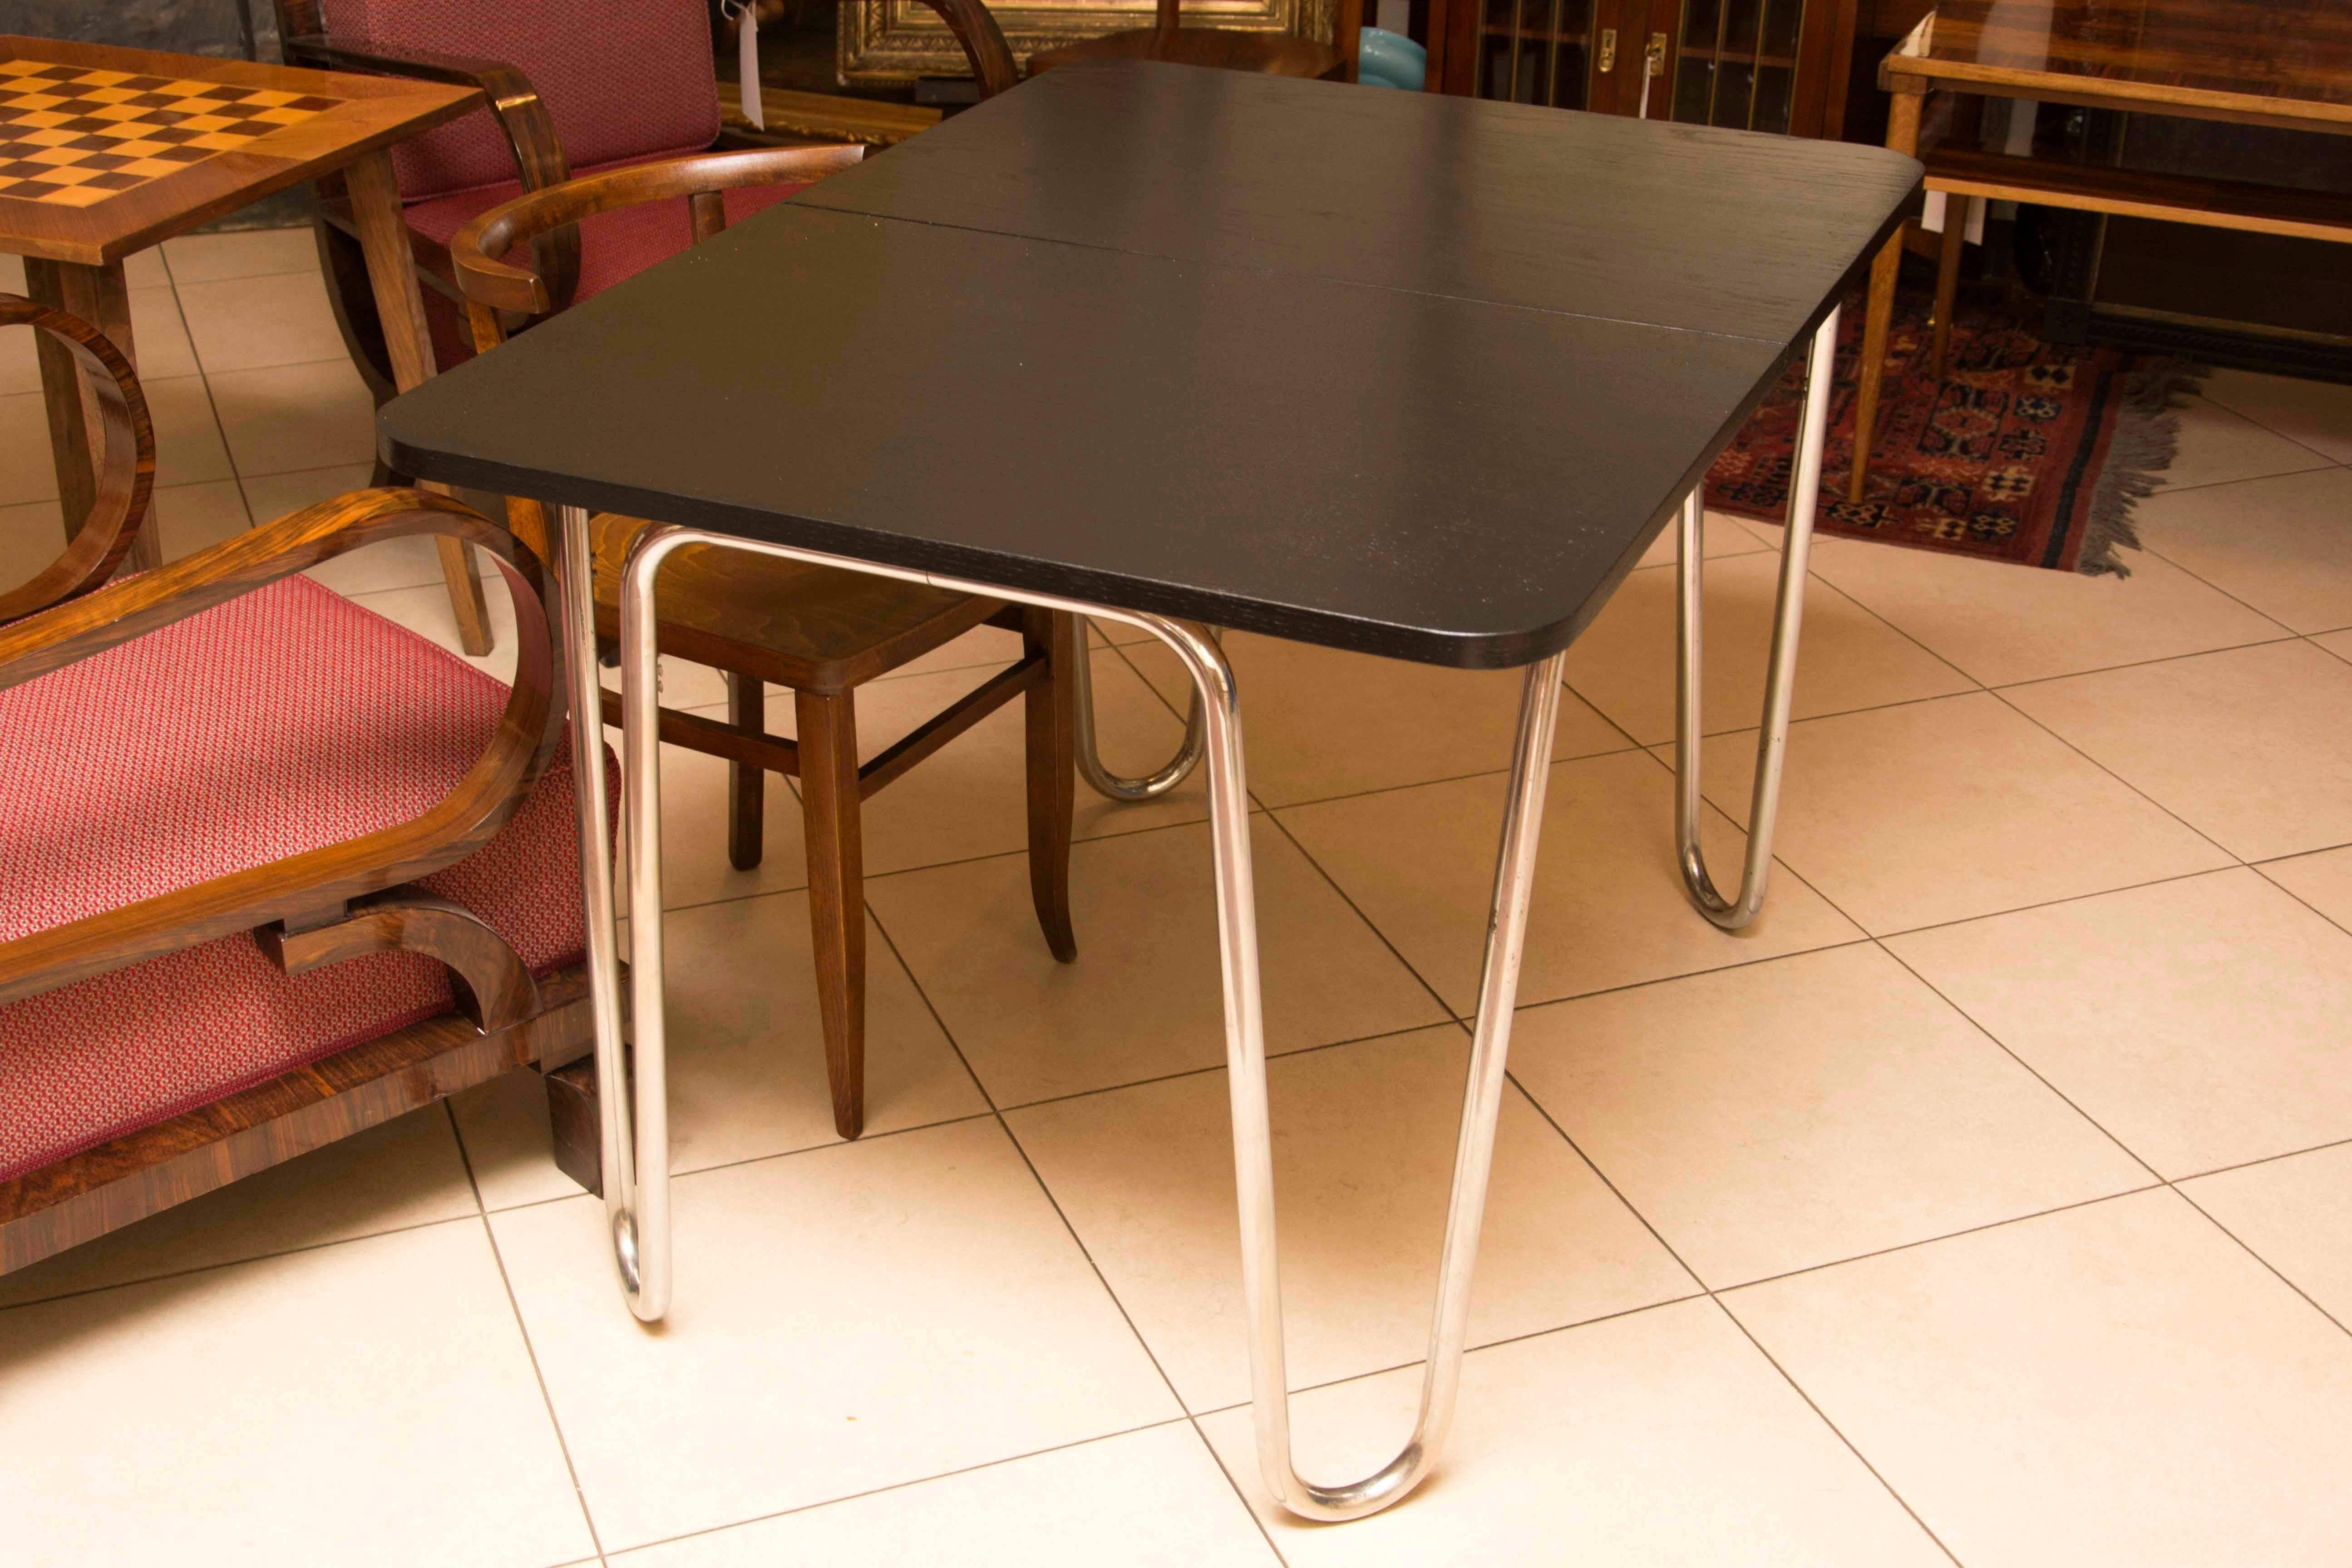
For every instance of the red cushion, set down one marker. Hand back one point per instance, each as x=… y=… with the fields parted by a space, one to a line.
x=619 y=80
x=282 y=720
x=613 y=246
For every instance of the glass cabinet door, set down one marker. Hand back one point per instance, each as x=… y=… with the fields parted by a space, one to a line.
x=1535 y=51
x=1737 y=63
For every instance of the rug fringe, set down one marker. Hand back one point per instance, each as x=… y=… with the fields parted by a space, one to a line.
x=2147 y=439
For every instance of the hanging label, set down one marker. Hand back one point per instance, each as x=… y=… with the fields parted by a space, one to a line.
x=747 y=60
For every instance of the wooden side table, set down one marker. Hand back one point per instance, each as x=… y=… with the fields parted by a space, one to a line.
x=2249 y=62
x=104 y=151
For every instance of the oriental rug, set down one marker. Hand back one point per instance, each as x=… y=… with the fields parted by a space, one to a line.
x=2023 y=450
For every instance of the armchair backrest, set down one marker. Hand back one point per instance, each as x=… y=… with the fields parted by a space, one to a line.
x=620 y=80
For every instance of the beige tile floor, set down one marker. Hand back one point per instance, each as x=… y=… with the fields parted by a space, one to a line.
x=1987 y=1201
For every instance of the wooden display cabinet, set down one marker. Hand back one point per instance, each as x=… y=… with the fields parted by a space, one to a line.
x=1754 y=65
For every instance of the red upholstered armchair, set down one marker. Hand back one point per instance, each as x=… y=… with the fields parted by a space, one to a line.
x=568 y=89
x=272 y=869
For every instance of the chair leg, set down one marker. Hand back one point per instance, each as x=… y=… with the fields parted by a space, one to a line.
x=1948 y=274
x=746 y=791
x=1052 y=712
x=828 y=743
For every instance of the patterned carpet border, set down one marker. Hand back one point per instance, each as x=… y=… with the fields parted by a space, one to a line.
x=2025 y=451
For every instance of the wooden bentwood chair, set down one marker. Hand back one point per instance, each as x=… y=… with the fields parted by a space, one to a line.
x=562 y=93
x=820 y=631
x=272 y=869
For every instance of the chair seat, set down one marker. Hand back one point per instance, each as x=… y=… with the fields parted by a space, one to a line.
x=817 y=628
x=284 y=720
x=1220 y=48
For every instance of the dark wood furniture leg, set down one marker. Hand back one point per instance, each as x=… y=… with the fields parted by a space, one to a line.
x=1948 y=273
x=99 y=296
x=1050 y=710
x=1903 y=136
x=400 y=309
x=746 y=791
x=837 y=873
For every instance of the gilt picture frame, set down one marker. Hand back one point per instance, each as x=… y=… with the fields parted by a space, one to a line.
x=887 y=41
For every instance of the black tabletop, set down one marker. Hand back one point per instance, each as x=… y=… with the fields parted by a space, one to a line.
x=1415 y=375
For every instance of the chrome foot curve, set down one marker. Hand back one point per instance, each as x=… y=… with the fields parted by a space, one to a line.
x=1115 y=786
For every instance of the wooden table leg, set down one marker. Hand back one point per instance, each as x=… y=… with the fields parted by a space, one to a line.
x=99 y=296
x=1948 y=274
x=392 y=275
x=1902 y=135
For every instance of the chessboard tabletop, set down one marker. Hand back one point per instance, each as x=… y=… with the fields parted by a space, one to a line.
x=106 y=151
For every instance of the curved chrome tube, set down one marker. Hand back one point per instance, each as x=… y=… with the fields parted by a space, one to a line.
x=1151 y=786
x=1781 y=672
x=640 y=1247
x=1473 y=1154
x=1220 y=709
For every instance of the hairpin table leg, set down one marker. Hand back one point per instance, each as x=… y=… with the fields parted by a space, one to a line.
x=1220 y=712
x=576 y=582
x=1482 y=1098
x=1149 y=786
x=1781 y=672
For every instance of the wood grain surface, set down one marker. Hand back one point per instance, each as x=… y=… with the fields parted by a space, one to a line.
x=2270 y=62
x=365 y=113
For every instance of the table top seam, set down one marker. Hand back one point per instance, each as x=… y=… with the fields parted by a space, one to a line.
x=1285 y=273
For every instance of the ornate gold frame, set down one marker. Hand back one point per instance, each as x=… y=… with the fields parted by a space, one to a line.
x=882 y=41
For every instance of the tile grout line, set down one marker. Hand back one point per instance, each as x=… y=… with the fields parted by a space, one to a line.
x=2284 y=636
x=1028 y=1165
x=231 y=1262
x=1071 y=1230
x=2273 y=1268
x=1631 y=1208
x=898 y=1486
x=2234 y=858
x=2256 y=868
x=2201 y=395
x=523 y=1329
x=1774 y=1361
x=1345 y=897
x=2004 y=1048
x=1710 y=1294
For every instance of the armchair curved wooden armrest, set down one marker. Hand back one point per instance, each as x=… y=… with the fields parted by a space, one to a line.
x=514 y=102
x=491 y=285
x=315 y=886
x=126 y=478
x=984 y=44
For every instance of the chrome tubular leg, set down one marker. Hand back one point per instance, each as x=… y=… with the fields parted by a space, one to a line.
x=576 y=582
x=648 y=1212
x=1100 y=778
x=1212 y=681
x=1252 y=1135
x=1781 y=671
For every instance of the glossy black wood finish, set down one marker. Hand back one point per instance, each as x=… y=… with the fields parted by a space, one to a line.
x=1677 y=226
x=1404 y=462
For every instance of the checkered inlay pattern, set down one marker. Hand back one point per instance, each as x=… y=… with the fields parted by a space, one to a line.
x=73 y=137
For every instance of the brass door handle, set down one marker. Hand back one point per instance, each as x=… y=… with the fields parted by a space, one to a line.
x=1608 y=52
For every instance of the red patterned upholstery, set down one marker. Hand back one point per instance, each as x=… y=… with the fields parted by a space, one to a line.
x=284 y=720
x=620 y=80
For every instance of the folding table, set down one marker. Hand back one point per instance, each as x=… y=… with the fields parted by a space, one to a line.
x=1414 y=376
